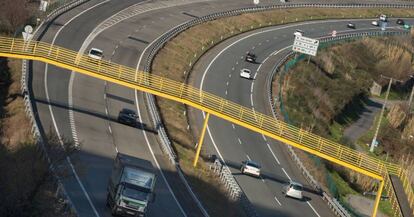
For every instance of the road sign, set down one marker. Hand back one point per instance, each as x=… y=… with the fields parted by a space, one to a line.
x=28 y=29
x=305 y=45
x=334 y=33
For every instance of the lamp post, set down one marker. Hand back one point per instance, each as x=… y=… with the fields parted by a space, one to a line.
x=374 y=140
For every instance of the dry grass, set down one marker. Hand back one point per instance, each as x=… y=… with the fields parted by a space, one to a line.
x=178 y=56
x=25 y=179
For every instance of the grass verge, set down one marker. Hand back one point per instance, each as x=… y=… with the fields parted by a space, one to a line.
x=27 y=187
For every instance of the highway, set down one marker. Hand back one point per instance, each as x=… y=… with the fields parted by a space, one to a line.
x=83 y=109
x=235 y=144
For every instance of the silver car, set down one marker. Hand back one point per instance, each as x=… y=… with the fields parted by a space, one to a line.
x=251 y=168
x=293 y=189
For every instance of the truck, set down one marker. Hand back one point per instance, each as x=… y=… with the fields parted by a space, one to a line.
x=131 y=186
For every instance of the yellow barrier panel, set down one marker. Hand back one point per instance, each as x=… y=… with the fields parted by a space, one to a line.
x=217 y=106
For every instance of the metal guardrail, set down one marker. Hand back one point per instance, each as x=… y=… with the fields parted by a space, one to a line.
x=332 y=202
x=29 y=109
x=232 y=187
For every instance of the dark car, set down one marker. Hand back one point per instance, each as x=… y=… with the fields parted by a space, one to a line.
x=128 y=117
x=251 y=58
x=351 y=25
x=400 y=22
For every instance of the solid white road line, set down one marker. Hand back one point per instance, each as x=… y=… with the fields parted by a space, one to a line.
x=274 y=156
x=145 y=134
x=70 y=112
x=278 y=201
x=248 y=157
x=283 y=169
x=314 y=210
x=264 y=138
x=239 y=141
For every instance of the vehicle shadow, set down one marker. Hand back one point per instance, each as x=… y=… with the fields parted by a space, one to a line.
x=141 y=126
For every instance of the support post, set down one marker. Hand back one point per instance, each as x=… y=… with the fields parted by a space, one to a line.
x=200 y=142
x=371 y=149
x=378 y=199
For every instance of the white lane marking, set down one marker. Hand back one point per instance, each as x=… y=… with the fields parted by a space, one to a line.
x=71 y=119
x=283 y=169
x=251 y=87
x=229 y=75
x=251 y=99
x=110 y=130
x=106 y=111
x=262 y=179
x=226 y=92
x=274 y=156
x=278 y=201
x=239 y=141
x=264 y=137
x=227 y=84
x=241 y=57
x=313 y=209
x=234 y=127
x=237 y=62
x=116 y=149
x=248 y=157
x=232 y=68
x=145 y=134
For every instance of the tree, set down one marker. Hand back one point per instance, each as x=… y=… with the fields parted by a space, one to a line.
x=14 y=14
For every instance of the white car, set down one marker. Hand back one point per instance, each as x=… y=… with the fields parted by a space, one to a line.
x=375 y=23
x=383 y=17
x=251 y=168
x=95 y=53
x=298 y=32
x=293 y=189
x=246 y=73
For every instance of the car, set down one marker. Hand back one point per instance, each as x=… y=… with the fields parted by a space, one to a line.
x=128 y=117
x=298 y=32
x=383 y=18
x=250 y=57
x=351 y=25
x=246 y=73
x=250 y=167
x=293 y=189
x=95 y=53
x=400 y=22
x=406 y=27
x=375 y=23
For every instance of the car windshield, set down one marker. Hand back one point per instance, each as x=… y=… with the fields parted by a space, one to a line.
x=134 y=193
x=252 y=164
x=95 y=52
x=297 y=187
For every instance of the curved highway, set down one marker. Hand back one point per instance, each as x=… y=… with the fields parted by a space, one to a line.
x=84 y=109
x=218 y=73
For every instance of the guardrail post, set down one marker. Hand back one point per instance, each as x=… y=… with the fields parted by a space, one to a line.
x=200 y=142
x=377 y=199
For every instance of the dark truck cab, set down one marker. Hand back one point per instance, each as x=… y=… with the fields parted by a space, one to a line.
x=131 y=186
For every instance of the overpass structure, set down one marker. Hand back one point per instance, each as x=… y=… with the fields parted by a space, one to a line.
x=219 y=107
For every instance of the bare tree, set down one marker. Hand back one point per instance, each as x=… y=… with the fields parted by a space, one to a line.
x=14 y=14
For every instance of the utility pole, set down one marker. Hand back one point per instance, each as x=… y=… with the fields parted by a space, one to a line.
x=411 y=99
x=374 y=140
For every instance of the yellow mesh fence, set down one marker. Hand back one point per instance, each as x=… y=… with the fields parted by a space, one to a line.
x=222 y=108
